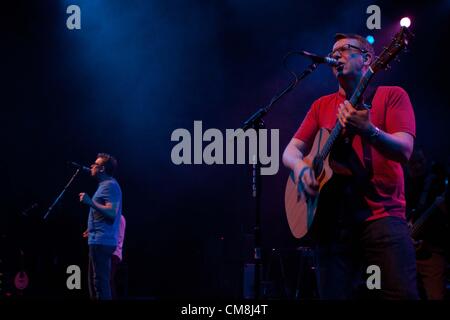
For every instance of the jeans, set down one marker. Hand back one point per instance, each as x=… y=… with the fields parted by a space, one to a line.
x=431 y=271
x=115 y=261
x=341 y=266
x=99 y=271
x=346 y=244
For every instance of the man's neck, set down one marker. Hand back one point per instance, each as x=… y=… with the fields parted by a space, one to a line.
x=348 y=85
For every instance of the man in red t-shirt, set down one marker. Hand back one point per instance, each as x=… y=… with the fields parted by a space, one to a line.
x=360 y=219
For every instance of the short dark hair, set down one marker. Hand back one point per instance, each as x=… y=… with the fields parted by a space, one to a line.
x=362 y=41
x=109 y=162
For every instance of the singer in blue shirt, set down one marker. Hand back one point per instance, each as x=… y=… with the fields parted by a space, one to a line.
x=103 y=225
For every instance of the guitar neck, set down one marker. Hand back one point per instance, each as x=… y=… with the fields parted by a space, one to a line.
x=354 y=100
x=417 y=226
x=423 y=218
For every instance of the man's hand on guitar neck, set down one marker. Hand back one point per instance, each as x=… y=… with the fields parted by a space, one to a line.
x=396 y=146
x=356 y=120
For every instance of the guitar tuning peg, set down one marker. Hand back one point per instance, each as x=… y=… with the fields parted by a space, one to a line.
x=388 y=67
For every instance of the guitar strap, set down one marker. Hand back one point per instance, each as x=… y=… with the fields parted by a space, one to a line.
x=360 y=184
x=367 y=151
x=361 y=171
x=342 y=198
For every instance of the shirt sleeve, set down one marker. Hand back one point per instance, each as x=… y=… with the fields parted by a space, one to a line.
x=310 y=125
x=399 y=113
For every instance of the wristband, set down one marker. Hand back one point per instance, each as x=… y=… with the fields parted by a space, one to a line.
x=374 y=135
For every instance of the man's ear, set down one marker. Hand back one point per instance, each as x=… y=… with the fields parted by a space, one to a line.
x=366 y=57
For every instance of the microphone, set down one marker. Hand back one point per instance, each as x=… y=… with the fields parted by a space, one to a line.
x=318 y=59
x=79 y=166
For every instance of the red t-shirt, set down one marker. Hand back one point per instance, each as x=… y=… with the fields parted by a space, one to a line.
x=391 y=112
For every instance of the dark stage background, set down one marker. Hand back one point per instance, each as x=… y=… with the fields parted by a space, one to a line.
x=136 y=71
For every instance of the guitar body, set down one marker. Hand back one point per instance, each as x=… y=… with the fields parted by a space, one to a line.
x=300 y=211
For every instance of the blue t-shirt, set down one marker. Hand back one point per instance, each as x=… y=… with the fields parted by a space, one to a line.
x=103 y=230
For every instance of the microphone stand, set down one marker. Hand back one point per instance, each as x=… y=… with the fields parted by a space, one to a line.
x=62 y=193
x=256 y=122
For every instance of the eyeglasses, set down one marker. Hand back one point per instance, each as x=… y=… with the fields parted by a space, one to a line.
x=96 y=165
x=345 y=49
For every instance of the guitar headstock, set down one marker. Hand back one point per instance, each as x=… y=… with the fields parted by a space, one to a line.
x=398 y=43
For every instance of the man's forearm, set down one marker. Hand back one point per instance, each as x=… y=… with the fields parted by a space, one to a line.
x=291 y=157
x=396 y=148
x=107 y=211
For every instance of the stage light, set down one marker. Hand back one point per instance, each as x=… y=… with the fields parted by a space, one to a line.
x=405 y=22
x=370 y=39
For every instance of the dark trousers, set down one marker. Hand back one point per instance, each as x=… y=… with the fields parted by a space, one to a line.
x=99 y=271
x=342 y=266
x=115 y=261
x=431 y=271
x=347 y=244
